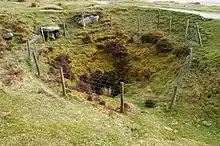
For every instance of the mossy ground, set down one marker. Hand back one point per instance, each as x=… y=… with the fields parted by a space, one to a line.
x=32 y=111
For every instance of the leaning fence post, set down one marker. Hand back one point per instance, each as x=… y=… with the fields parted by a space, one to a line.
x=28 y=49
x=174 y=96
x=64 y=28
x=170 y=26
x=62 y=81
x=83 y=21
x=158 y=19
x=36 y=63
x=122 y=98
x=199 y=34
x=42 y=33
x=187 y=27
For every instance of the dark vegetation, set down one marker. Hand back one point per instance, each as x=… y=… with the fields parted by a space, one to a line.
x=63 y=61
x=97 y=60
x=119 y=55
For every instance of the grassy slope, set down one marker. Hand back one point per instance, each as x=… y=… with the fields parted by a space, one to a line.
x=33 y=113
x=45 y=118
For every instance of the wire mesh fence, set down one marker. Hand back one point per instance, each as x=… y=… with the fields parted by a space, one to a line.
x=100 y=84
x=141 y=22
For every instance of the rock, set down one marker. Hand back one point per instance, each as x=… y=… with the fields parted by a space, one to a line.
x=8 y=36
x=51 y=28
x=90 y=19
x=51 y=32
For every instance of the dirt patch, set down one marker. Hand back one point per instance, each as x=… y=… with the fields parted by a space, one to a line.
x=63 y=61
x=87 y=39
x=129 y=107
x=96 y=98
x=83 y=86
x=13 y=75
x=118 y=54
x=164 y=46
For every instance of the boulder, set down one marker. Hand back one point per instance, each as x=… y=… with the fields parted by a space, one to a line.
x=51 y=32
x=51 y=28
x=90 y=19
x=8 y=36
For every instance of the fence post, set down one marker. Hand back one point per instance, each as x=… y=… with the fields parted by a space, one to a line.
x=138 y=21
x=199 y=34
x=187 y=27
x=170 y=26
x=36 y=63
x=122 y=98
x=83 y=21
x=42 y=33
x=28 y=49
x=174 y=96
x=64 y=28
x=158 y=19
x=62 y=81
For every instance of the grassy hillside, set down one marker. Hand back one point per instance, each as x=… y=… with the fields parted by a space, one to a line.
x=32 y=110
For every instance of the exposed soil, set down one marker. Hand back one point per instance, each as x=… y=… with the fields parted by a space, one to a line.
x=164 y=46
x=63 y=61
x=86 y=39
x=119 y=55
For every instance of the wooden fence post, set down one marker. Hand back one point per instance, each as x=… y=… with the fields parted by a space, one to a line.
x=62 y=81
x=64 y=28
x=122 y=98
x=138 y=21
x=187 y=27
x=83 y=21
x=36 y=63
x=199 y=34
x=170 y=26
x=28 y=49
x=42 y=33
x=158 y=19
x=174 y=96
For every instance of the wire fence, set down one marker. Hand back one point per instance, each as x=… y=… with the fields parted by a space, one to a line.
x=149 y=20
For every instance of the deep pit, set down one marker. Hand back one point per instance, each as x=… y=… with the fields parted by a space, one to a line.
x=131 y=61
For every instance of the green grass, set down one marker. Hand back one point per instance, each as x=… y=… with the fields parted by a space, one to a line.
x=33 y=112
